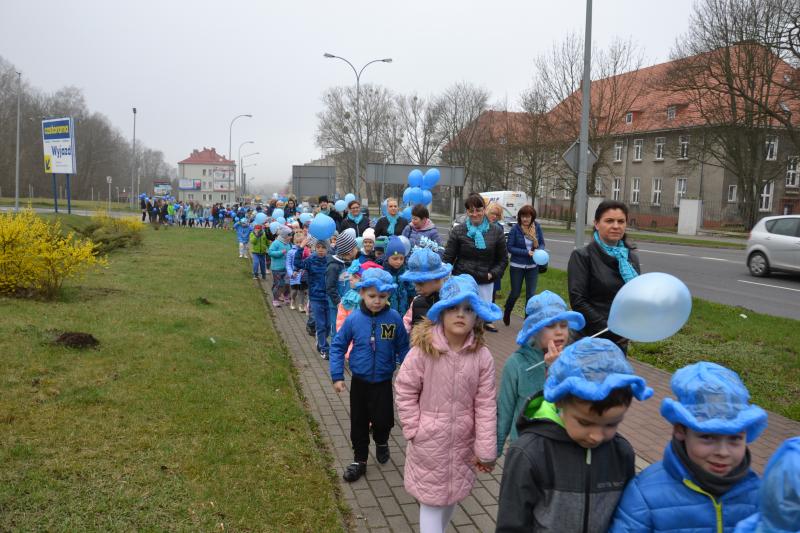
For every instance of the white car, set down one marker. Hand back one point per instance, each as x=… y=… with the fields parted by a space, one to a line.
x=774 y=245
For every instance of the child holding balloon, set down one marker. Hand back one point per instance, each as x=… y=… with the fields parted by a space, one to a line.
x=243 y=231
x=278 y=251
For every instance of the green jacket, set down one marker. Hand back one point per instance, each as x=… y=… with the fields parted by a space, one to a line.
x=517 y=385
x=260 y=244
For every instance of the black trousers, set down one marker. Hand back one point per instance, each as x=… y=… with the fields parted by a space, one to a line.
x=370 y=403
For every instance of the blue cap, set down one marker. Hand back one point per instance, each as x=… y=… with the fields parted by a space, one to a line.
x=459 y=288
x=544 y=309
x=712 y=399
x=590 y=369
x=425 y=265
x=395 y=246
x=378 y=278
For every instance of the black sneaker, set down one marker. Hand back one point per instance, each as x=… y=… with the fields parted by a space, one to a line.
x=507 y=317
x=382 y=453
x=354 y=472
x=324 y=355
x=311 y=331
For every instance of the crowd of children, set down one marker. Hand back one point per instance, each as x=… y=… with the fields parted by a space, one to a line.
x=381 y=310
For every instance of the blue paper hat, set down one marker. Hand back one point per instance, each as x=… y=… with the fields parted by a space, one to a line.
x=459 y=288
x=378 y=278
x=544 y=309
x=425 y=265
x=779 y=496
x=590 y=369
x=712 y=399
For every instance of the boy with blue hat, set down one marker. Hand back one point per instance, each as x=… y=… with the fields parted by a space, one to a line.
x=427 y=272
x=567 y=469
x=546 y=330
x=316 y=268
x=380 y=344
x=704 y=482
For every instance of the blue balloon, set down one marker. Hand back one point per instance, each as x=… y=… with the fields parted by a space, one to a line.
x=277 y=213
x=415 y=178
x=322 y=227
x=384 y=209
x=406 y=213
x=359 y=242
x=281 y=220
x=650 y=307
x=415 y=195
x=340 y=205
x=427 y=196
x=260 y=219
x=349 y=197
x=407 y=195
x=305 y=217
x=431 y=178
x=541 y=257
x=275 y=226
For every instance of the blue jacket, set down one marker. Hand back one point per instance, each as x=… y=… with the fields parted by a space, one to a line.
x=665 y=498
x=290 y=270
x=337 y=279
x=243 y=232
x=278 y=251
x=516 y=244
x=316 y=268
x=380 y=344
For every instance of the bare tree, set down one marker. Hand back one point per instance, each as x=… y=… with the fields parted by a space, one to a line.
x=533 y=142
x=419 y=119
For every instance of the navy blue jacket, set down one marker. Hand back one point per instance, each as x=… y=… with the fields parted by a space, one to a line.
x=316 y=268
x=337 y=279
x=516 y=244
x=380 y=344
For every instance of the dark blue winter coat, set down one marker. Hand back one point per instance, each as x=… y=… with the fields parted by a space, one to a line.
x=337 y=280
x=316 y=268
x=666 y=498
x=516 y=244
x=380 y=344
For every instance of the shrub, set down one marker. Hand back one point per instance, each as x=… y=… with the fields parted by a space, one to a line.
x=36 y=257
x=109 y=233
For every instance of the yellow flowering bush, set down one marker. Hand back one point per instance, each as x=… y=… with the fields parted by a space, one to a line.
x=109 y=233
x=36 y=257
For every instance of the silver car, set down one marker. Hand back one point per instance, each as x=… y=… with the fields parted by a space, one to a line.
x=774 y=245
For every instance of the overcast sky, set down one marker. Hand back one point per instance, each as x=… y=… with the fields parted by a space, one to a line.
x=191 y=66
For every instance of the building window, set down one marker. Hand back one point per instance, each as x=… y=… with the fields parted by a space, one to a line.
x=637 y=149
x=204 y=198
x=204 y=172
x=598 y=186
x=224 y=197
x=566 y=192
x=628 y=118
x=191 y=196
x=683 y=142
x=553 y=191
x=615 y=188
x=732 y=193
x=635 y=190
x=772 y=147
x=680 y=190
x=765 y=203
x=671 y=112
x=791 y=172
x=617 y=151
x=660 y=142
x=655 y=199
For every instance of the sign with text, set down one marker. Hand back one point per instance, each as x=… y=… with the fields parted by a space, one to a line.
x=223 y=186
x=58 y=140
x=189 y=185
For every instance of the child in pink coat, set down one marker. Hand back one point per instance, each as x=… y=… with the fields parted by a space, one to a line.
x=445 y=395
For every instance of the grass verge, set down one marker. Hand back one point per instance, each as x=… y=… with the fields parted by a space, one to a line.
x=763 y=349
x=186 y=417
x=664 y=239
x=92 y=205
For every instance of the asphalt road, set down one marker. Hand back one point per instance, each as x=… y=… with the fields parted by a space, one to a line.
x=714 y=274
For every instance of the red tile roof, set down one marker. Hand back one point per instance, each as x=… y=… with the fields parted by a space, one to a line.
x=206 y=156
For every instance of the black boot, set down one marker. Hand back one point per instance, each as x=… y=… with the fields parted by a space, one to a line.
x=382 y=453
x=507 y=317
x=354 y=472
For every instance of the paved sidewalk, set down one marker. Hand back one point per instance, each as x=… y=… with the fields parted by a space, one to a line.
x=380 y=503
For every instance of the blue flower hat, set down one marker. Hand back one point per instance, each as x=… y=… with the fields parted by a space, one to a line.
x=425 y=265
x=544 y=309
x=459 y=288
x=378 y=278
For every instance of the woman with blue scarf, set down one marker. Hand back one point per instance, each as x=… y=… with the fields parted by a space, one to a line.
x=355 y=219
x=599 y=270
x=392 y=223
x=478 y=248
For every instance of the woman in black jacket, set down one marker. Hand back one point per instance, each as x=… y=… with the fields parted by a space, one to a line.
x=392 y=223
x=478 y=248
x=598 y=271
x=354 y=219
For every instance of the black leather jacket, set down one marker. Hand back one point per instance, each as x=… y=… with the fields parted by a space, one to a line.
x=593 y=279
x=466 y=259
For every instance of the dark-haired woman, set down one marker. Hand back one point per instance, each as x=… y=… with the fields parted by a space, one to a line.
x=598 y=271
x=421 y=226
x=355 y=219
x=524 y=238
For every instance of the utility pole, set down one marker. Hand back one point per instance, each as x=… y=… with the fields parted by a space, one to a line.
x=16 y=173
x=583 y=140
x=133 y=163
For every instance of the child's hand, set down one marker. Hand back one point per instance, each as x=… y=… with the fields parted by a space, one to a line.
x=551 y=354
x=480 y=466
x=338 y=386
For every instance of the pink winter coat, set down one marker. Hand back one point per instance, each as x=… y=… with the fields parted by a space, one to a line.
x=447 y=407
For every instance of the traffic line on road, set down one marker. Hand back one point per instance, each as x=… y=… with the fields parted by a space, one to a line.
x=768 y=285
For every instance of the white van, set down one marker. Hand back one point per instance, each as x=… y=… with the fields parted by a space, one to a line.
x=511 y=201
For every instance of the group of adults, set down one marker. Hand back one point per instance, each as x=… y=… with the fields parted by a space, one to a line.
x=480 y=248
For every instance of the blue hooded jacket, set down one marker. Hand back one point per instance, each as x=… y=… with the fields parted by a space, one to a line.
x=278 y=251
x=316 y=268
x=665 y=498
x=243 y=232
x=380 y=343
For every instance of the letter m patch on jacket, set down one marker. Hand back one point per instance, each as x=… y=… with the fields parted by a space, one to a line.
x=387 y=331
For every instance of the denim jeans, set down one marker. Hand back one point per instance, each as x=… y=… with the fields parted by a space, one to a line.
x=260 y=263
x=530 y=276
x=320 y=312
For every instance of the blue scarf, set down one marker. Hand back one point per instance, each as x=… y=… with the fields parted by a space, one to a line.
x=351 y=299
x=476 y=233
x=620 y=253
x=357 y=219
x=392 y=221
x=326 y=211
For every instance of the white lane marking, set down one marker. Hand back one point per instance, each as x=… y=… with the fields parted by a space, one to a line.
x=768 y=285
x=666 y=253
x=717 y=259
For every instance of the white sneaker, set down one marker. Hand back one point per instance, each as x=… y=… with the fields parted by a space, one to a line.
x=291 y=306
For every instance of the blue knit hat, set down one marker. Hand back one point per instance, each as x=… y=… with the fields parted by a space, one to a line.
x=378 y=278
x=395 y=246
x=712 y=399
x=544 y=309
x=590 y=369
x=459 y=288
x=425 y=265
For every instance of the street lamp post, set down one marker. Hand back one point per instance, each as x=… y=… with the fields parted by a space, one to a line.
x=240 y=181
x=133 y=165
x=358 y=111
x=241 y=161
x=230 y=138
x=108 y=180
x=16 y=173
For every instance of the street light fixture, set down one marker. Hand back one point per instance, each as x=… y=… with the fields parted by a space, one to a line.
x=358 y=111
x=240 y=181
